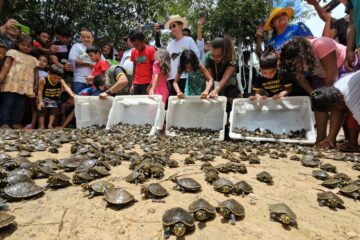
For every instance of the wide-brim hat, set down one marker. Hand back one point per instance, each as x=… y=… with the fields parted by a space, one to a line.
x=176 y=18
x=276 y=11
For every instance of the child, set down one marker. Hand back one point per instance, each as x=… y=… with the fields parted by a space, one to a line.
x=100 y=65
x=3 y=50
x=17 y=77
x=267 y=83
x=196 y=71
x=43 y=64
x=161 y=69
x=97 y=88
x=143 y=57
x=49 y=94
x=41 y=45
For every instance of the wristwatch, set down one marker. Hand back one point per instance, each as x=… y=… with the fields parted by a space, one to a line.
x=108 y=92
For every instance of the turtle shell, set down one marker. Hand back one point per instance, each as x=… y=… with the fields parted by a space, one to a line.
x=134 y=176
x=99 y=171
x=331 y=183
x=157 y=190
x=352 y=190
x=175 y=215
x=328 y=167
x=295 y=158
x=101 y=186
x=23 y=190
x=320 y=174
x=189 y=184
x=82 y=177
x=233 y=206
x=222 y=184
x=282 y=208
x=342 y=176
x=118 y=196
x=86 y=165
x=201 y=204
x=242 y=187
x=5 y=156
x=6 y=219
x=328 y=196
x=211 y=176
x=24 y=153
x=17 y=179
x=264 y=177
x=58 y=180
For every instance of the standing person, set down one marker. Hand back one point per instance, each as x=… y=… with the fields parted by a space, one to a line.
x=49 y=94
x=43 y=63
x=81 y=61
x=282 y=31
x=161 y=70
x=143 y=57
x=196 y=72
x=17 y=77
x=353 y=34
x=176 y=24
x=126 y=62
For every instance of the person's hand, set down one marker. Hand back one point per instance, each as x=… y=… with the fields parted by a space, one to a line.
x=103 y=95
x=156 y=27
x=327 y=16
x=54 y=48
x=350 y=60
x=180 y=95
x=260 y=31
x=252 y=98
x=11 y=23
x=276 y=96
x=132 y=89
x=204 y=94
x=68 y=67
x=72 y=94
x=40 y=106
x=200 y=22
x=2 y=77
x=214 y=94
x=151 y=91
x=89 y=79
x=312 y=2
x=325 y=144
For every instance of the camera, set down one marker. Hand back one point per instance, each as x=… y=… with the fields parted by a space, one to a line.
x=148 y=27
x=331 y=5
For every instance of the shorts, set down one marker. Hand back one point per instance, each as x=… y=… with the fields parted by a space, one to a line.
x=48 y=111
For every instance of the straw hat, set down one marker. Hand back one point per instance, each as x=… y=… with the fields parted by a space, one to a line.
x=176 y=18
x=276 y=11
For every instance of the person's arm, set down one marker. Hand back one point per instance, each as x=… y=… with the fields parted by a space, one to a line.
x=5 y=68
x=229 y=72
x=286 y=92
x=157 y=35
x=154 y=84
x=40 y=105
x=11 y=23
x=320 y=11
x=176 y=86
x=67 y=88
x=331 y=70
x=258 y=48
x=350 y=35
x=328 y=31
x=209 y=81
x=257 y=95
x=121 y=83
x=304 y=84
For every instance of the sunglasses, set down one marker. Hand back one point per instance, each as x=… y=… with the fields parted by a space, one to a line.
x=172 y=26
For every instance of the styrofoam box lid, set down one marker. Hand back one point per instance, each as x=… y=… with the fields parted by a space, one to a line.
x=279 y=116
x=137 y=109
x=91 y=110
x=193 y=112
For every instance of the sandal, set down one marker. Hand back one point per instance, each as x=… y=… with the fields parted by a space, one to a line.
x=347 y=147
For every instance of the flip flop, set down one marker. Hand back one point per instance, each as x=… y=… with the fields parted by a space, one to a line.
x=346 y=147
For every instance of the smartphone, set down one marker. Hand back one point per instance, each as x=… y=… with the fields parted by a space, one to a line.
x=331 y=5
x=23 y=28
x=62 y=48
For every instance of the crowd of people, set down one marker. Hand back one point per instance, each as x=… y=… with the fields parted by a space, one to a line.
x=40 y=78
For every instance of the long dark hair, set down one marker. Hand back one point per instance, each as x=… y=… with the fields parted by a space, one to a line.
x=227 y=47
x=111 y=53
x=188 y=57
x=297 y=52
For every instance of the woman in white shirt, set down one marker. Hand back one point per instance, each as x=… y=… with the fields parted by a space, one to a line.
x=176 y=47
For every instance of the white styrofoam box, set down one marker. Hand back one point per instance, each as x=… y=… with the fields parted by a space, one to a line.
x=279 y=116
x=91 y=110
x=139 y=110
x=193 y=112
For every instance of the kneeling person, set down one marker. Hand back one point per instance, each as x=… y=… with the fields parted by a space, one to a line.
x=116 y=82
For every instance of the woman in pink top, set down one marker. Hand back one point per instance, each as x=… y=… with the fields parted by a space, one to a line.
x=161 y=69
x=313 y=62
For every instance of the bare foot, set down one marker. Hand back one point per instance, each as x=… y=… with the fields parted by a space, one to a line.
x=326 y=144
x=5 y=126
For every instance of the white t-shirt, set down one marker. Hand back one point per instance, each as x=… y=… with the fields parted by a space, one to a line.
x=126 y=63
x=201 y=45
x=42 y=74
x=175 y=48
x=78 y=52
x=349 y=86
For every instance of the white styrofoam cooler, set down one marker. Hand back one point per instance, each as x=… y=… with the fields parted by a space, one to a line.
x=193 y=112
x=279 y=116
x=90 y=110
x=139 y=110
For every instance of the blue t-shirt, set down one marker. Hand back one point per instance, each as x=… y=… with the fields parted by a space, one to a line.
x=294 y=30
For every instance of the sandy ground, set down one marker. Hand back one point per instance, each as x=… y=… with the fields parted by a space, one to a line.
x=69 y=214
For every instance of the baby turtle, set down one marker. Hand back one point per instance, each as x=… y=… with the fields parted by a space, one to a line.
x=154 y=190
x=82 y=177
x=58 y=180
x=295 y=158
x=22 y=190
x=282 y=213
x=231 y=209
x=254 y=159
x=202 y=210
x=97 y=188
x=356 y=166
x=18 y=178
x=332 y=183
x=328 y=167
x=330 y=199
x=211 y=176
x=177 y=221
x=223 y=185
x=320 y=174
x=118 y=196
x=342 y=177
x=242 y=188
x=24 y=153
x=42 y=171
x=186 y=185
x=135 y=177
x=6 y=219
x=351 y=190
x=265 y=177
x=99 y=172
x=309 y=160
x=172 y=163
